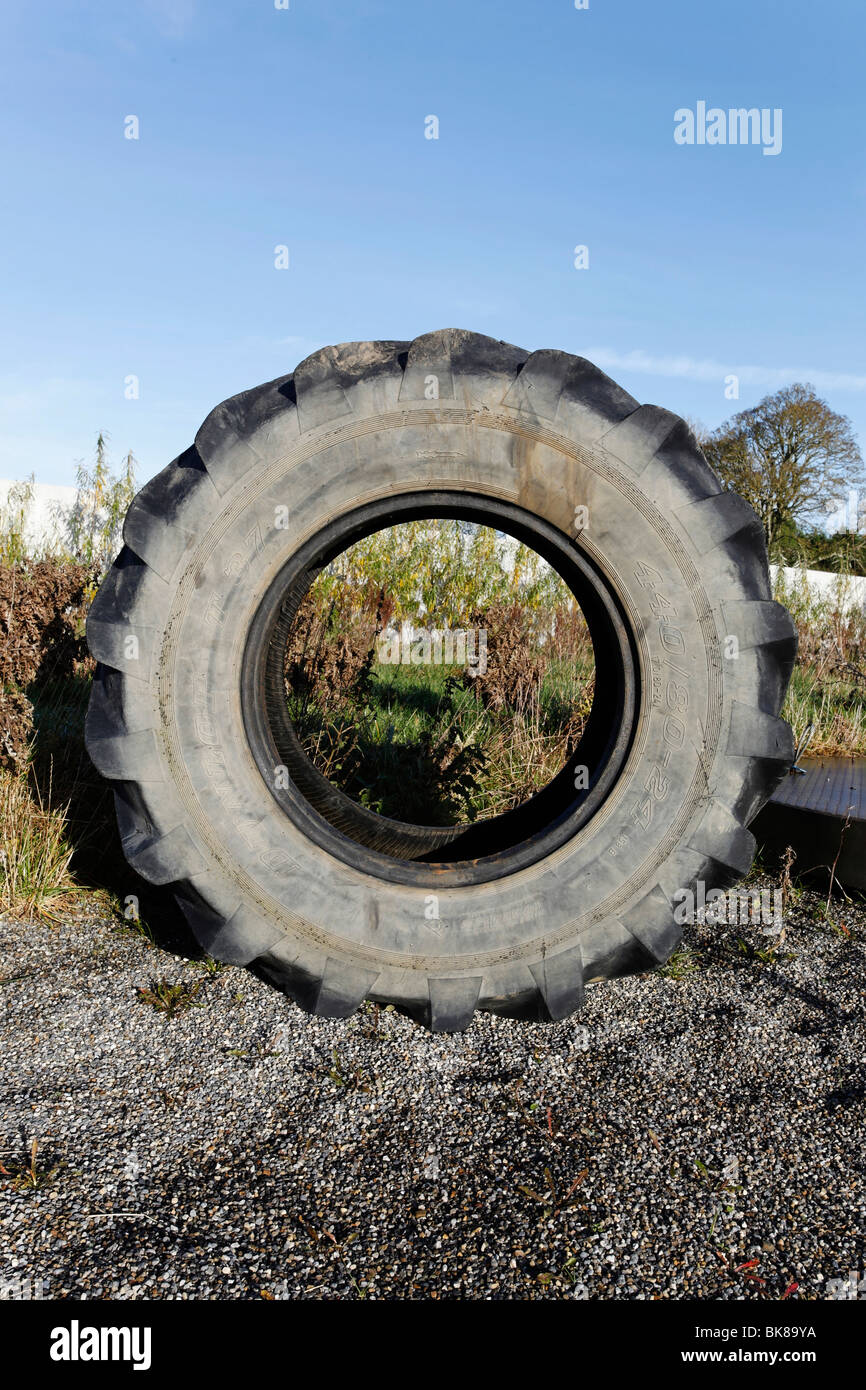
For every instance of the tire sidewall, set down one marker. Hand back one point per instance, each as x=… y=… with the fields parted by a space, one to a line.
x=634 y=841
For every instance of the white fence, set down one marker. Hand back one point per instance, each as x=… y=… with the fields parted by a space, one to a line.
x=47 y=512
x=51 y=504
x=846 y=592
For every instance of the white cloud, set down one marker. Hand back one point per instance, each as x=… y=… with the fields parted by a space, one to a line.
x=705 y=369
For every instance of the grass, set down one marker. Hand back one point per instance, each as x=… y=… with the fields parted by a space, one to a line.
x=35 y=852
x=210 y=966
x=171 y=999
x=835 y=707
x=763 y=955
x=417 y=745
x=828 y=685
x=51 y=799
x=134 y=927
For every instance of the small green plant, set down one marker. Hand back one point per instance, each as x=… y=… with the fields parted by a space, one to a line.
x=722 y=1187
x=370 y=1012
x=569 y=1272
x=315 y=1237
x=553 y=1201
x=25 y=1176
x=346 y=1076
x=838 y=927
x=134 y=926
x=210 y=966
x=712 y=1183
x=371 y=1019
x=765 y=955
x=680 y=964
x=171 y=999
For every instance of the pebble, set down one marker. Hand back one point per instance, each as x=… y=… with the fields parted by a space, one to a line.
x=678 y=1128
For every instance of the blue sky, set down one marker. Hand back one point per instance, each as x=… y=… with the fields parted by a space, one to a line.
x=305 y=127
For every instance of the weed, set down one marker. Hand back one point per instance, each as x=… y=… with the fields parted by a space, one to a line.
x=787 y=886
x=430 y=744
x=747 y=1270
x=13 y=522
x=257 y=1053
x=95 y=523
x=680 y=964
x=134 y=926
x=25 y=1176
x=764 y=955
x=845 y=828
x=553 y=1202
x=14 y=978
x=827 y=684
x=171 y=999
x=372 y=1029
x=526 y=1110
x=210 y=966
x=316 y=1236
x=346 y=1076
x=839 y=928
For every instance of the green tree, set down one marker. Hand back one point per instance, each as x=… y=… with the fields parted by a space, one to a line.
x=789 y=456
x=442 y=571
x=95 y=523
x=13 y=522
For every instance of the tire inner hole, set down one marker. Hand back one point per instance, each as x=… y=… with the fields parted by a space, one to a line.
x=441 y=690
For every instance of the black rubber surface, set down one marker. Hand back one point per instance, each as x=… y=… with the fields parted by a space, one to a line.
x=516 y=914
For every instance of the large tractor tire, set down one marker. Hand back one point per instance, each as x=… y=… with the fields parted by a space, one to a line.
x=274 y=866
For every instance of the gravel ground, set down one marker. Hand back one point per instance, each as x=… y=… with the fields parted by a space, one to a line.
x=686 y=1123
